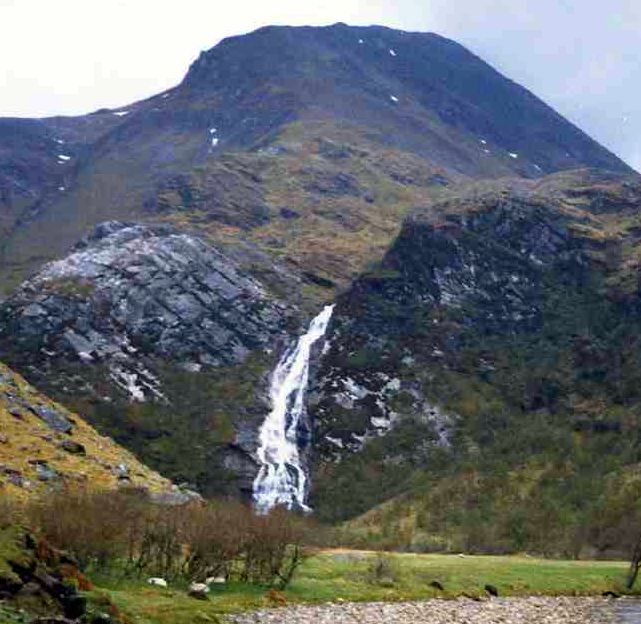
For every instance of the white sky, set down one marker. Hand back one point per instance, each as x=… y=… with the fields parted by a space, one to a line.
x=74 y=56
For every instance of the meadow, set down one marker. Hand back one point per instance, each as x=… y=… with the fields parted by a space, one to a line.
x=339 y=575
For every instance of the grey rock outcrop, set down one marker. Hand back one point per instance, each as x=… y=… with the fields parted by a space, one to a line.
x=54 y=420
x=129 y=295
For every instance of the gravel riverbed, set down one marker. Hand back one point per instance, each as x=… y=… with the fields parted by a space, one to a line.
x=534 y=610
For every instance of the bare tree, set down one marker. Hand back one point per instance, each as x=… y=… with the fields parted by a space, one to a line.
x=635 y=564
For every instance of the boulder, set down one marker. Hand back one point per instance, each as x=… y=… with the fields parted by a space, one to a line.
x=45 y=472
x=157 y=581
x=198 y=591
x=52 y=418
x=72 y=447
x=175 y=497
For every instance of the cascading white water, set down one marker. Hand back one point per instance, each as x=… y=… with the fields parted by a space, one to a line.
x=281 y=479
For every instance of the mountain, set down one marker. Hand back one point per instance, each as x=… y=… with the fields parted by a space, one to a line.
x=43 y=445
x=481 y=252
x=361 y=118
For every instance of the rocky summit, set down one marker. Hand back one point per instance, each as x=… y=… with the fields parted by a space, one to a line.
x=476 y=377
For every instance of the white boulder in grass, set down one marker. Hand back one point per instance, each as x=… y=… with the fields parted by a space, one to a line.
x=158 y=582
x=215 y=580
x=198 y=590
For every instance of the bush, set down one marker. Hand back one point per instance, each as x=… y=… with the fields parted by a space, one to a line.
x=382 y=571
x=194 y=541
x=94 y=526
x=274 y=548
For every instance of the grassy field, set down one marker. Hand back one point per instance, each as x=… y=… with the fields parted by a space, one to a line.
x=351 y=576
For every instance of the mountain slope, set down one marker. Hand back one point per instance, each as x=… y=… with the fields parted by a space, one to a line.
x=43 y=445
x=411 y=93
x=273 y=179
x=486 y=373
x=160 y=339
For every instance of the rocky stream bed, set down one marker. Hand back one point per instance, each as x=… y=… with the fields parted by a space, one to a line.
x=533 y=610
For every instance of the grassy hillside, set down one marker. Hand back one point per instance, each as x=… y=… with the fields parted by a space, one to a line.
x=43 y=445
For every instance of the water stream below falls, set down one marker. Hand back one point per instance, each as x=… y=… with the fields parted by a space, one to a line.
x=281 y=479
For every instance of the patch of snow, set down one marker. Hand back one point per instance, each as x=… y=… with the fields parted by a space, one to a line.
x=394 y=385
x=61 y=188
x=513 y=155
x=164 y=96
x=360 y=41
x=393 y=98
x=380 y=422
x=392 y=52
x=354 y=390
x=538 y=168
x=214 y=141
x=486 y=151
x=212 y=130
x=64 y=157
x=121 y=113
x=59 y=141
x=127 y=381
x=191 y=367
x=335 y=441
x=483 y=141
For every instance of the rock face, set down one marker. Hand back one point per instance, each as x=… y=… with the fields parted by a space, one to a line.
x=129 y=294
x=148 y=316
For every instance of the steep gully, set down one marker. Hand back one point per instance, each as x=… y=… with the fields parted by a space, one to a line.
x=281 y=479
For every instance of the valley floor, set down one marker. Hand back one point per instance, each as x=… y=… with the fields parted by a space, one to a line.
x=352 y=586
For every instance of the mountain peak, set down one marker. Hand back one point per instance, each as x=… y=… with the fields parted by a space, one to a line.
x=429 y=93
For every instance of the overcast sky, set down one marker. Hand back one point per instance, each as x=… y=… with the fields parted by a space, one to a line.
x=72 y=56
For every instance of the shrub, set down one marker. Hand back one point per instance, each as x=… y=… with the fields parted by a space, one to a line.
x=194 y=541
x=382 y=570
x=94 y=526
x=274 y=548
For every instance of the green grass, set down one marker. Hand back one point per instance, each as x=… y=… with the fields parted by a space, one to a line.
x=348 y=576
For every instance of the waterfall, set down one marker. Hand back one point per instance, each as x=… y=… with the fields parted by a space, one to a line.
x=281 y=479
